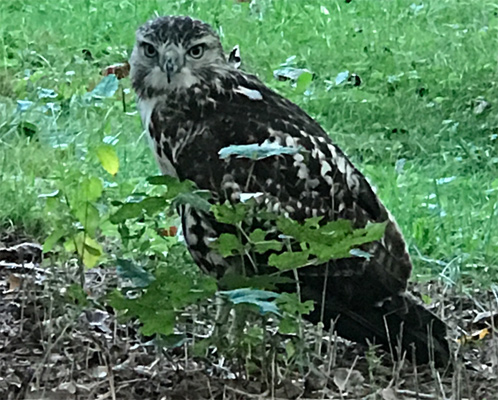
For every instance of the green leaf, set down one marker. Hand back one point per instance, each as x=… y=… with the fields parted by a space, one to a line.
x=289 y=260
x=261 y=245
x=52 y=204
x=160 y=179
x=126 y=211
x=171 y=290
x=288 y=325
x=228 y=245
x=426 y=299
x=303 y=82
x=107 y=131
x=290 y=349
x=268 y=245
x=53 y=238
x=294 y=229
x=89 y=217
x=117 y=300
x=343 y=246
x=258 y=235
x=161 y=322
x=200 y=347
x=292 y=309
x=154 y=319
x=91 y=189
x=372 y=232
x=153 y=205
x=193 y=199
x=326 y=252
x=263 y=299
x=88 y=249
x=76 y=295
x=174 y=186
x=69 y=245
x=257 y=151
x=139 y=277
x=289 y=302
x=229 y=213
x=311 y=231
x=314 y=222
x=93 y=249
x=108 y=158
x=335 y=239
x=124 y=232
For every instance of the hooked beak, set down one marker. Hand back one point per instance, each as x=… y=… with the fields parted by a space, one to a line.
x=170 y=64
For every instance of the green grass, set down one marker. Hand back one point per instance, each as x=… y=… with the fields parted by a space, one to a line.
x=446 y=49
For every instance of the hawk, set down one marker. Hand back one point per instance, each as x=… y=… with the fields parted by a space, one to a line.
x=194 y=102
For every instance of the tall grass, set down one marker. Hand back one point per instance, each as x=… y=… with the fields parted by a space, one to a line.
x=417 y=126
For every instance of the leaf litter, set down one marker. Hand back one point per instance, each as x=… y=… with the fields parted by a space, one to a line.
x=52 y=348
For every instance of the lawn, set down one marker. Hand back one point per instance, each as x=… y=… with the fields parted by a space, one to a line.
x=422 y=124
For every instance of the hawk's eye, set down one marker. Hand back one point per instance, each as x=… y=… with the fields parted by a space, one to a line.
x=149 y=50
x=196 y=51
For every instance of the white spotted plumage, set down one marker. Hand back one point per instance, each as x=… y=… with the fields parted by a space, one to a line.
x=201 y=104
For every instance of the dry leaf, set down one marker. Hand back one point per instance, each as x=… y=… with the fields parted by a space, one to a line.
x=388 y=394
x=68 y=387
x=100 y=371
x=475 y=336
x=481 y=105
x=345 y=378
x=14 y=282
x=121 y=70
x=168 y=232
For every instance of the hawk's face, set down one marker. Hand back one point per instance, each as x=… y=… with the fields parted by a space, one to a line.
x=173 y=53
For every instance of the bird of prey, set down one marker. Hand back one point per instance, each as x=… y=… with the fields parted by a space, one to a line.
x=193 y=103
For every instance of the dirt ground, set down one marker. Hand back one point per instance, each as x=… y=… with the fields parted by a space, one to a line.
x=53 y=349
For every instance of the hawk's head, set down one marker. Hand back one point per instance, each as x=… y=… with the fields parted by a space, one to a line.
x=173 y=53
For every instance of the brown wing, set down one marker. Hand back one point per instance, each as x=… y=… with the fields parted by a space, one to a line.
x=317 y=181
x=362 y=296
